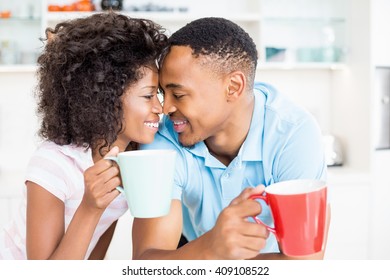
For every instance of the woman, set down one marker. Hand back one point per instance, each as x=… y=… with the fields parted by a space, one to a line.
x=97 y=96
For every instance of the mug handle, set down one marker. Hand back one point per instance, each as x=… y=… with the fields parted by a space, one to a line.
x=257 y=220
x=119 y=188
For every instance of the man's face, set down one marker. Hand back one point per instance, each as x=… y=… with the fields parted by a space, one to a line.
x=194 y=97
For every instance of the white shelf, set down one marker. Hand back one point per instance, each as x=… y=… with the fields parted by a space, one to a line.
x=304 y=19
x=300 y=66
x=253 y=17
x=20 y=19
x=262 y=66
x=156 y=16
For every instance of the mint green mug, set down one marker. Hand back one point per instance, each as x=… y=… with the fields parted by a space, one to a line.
x=147 y=181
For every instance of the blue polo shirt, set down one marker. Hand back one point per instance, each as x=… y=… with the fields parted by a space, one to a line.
x=284 y=142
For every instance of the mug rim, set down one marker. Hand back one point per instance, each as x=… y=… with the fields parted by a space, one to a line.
x=317 y=185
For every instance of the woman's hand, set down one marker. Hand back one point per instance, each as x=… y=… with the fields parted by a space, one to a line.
x=100 y=181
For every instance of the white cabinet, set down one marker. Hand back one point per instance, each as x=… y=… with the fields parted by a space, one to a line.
x=245 y=12
x=20 y=29
x=379 y=22
x=303 y=31
x=380 y=203
x=380 y=159
x=350 y=215
x=307 y=32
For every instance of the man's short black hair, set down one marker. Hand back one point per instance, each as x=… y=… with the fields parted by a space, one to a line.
x=222 y=42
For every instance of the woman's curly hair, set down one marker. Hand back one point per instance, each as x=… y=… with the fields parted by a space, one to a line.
x=84 y=70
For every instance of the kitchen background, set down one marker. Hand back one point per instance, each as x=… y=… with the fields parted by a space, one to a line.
x=331 y=56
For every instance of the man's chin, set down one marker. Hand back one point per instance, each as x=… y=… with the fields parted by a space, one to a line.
x=187 y=143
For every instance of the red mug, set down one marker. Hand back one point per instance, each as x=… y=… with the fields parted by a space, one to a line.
x=298 y=208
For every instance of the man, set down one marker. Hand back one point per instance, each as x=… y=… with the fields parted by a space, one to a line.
x=232 y=140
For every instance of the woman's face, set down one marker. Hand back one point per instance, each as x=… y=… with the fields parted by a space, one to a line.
x=141 y=109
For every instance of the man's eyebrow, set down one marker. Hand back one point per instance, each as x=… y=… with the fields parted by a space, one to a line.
x=172 y=85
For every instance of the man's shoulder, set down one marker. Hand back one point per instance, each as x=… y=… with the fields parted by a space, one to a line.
x=279 y=107
x=290 y=132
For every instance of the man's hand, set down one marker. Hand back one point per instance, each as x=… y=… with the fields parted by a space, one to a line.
x=233 y=236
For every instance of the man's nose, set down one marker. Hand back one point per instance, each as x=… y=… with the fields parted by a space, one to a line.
x=168 y=106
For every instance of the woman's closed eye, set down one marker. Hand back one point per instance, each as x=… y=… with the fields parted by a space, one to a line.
x=148 y=96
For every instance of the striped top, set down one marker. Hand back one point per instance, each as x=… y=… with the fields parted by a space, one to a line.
x=59 y=170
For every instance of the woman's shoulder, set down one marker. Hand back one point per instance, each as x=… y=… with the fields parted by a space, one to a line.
x=47 y=149
x=63 y=156
x=58 y=168
x=69 y=151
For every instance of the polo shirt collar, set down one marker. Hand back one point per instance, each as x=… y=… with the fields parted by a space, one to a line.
x=251 y=149
x=200 y=150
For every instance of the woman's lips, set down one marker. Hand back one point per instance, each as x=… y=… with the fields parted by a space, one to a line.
x=152 y=125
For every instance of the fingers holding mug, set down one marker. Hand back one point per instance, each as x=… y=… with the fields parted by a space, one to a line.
x=247 y=193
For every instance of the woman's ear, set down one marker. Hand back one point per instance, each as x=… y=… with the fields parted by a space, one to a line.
x=236 y=85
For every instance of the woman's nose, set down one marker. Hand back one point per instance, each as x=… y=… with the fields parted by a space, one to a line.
x=157 y=107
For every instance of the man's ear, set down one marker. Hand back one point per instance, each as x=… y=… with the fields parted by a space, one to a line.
x=236 y=85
